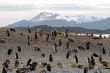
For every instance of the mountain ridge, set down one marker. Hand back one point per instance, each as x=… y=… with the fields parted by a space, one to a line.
x=71 y=29
x=53 y=20
x=52 y=16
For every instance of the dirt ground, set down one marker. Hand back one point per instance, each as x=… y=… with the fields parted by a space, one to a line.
x=28 y=52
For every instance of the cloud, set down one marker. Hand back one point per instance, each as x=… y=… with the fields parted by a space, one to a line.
x=80 y=7
x=69 y=7
x=73 y=7
x=52 y=7
x=13 y=7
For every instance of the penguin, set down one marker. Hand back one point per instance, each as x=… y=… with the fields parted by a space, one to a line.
x=50 y=58
x=48 y=67
x=76 y=58
x=29 y=62
x=4 y=70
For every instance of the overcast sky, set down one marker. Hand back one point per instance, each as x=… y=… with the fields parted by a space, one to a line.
x=16 y=10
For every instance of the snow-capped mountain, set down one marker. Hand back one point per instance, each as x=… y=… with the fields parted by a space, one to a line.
x=57 y=20
x=44 y=16
x=51 y=16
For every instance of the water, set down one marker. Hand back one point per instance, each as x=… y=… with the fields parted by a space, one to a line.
x=97 y=35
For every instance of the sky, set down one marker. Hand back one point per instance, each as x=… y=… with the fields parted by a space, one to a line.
x=15 y=10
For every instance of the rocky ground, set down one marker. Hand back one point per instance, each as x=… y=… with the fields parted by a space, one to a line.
x=19 y=38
